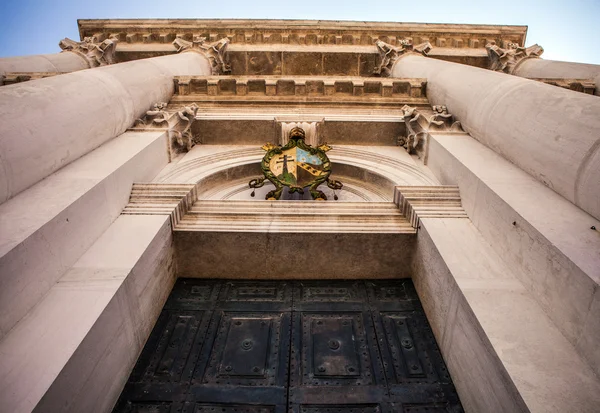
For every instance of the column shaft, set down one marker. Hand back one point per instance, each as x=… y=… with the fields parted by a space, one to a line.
x=549 y=132
x=47 y=123
x=65 y=62
x=542 y=68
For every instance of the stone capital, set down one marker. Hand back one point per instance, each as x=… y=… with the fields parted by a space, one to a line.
x=388 y=54
x=94 y=52
x=215 y=52
x=506 y=59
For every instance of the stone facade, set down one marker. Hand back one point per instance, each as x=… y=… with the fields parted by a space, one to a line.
x=470 y=164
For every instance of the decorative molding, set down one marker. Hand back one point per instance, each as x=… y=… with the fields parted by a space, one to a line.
x=96 y=53
x=187 y=213
x=506 y=59
x=157 y=117
x=388 y=54
x=303 y=89
x=216 y=52
x=418 y=202
x=587 y=86
x=419 y=126
x=174 y=200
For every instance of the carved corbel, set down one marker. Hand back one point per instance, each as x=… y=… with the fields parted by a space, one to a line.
x=215 y=52
x=388 y=54
x=180 y=130
x=177 y=123
x=157 y=117
x=418 y=128
x=95 y=53
x=506 y=60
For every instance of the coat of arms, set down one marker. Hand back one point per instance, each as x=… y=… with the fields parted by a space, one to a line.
x=297 y=166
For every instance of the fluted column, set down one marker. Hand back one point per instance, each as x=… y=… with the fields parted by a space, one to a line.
x=551 y=133
x=542 y=68
x=47 y=123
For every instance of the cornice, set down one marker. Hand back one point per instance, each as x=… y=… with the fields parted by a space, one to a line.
x=304 y=32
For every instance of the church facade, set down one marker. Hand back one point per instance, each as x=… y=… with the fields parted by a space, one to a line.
x=454 y=162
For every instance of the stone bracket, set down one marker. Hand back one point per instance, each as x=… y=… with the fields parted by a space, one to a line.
x=416 y=202
x=177 y=122
x=419 y=126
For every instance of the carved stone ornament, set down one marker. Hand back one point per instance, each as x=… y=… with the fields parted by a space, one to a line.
x=419 y=126
x=155 y=117
x=180 y=133
x=96 y=53
x=506 y=60
x=177 y=122
x=215 y=52
x=297 y=166
x=388 y=54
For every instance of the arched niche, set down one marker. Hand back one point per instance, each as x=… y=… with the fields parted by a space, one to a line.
x=368 y=175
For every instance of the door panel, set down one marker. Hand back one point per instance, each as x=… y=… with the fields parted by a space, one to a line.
x=296 y=346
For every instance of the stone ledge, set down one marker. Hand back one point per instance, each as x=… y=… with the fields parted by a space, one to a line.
x=189 y=214
x=417 y=202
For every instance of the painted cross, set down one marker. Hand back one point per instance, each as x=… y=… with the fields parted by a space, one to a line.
x=284 y=160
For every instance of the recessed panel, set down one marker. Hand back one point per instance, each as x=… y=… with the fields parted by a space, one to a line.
x=335 y=351
x=246 y=350
x=175 y=341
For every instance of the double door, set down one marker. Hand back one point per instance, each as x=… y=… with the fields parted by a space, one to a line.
x=290 y=346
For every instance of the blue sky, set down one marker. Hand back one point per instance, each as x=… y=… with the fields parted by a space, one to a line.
x=568 y=30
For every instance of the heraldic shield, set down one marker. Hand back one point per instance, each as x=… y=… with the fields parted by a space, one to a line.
x=297 y=166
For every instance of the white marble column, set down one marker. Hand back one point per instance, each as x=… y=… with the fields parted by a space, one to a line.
x=65 y=62
x=47 y=123
x=549 y=132
x=554 y=69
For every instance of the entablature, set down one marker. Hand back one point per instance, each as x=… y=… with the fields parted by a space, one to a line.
x=303 y=32
x=301 y=47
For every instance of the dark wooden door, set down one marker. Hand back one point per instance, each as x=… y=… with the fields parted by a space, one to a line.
x=297 y=346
